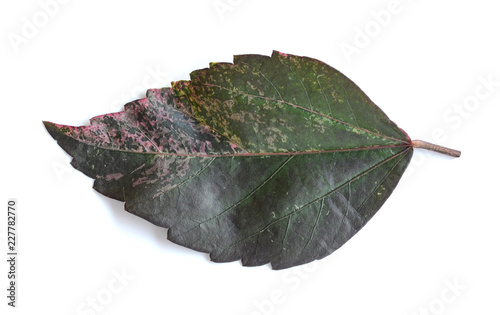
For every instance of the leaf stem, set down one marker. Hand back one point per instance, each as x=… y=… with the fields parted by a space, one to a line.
x=435 y=148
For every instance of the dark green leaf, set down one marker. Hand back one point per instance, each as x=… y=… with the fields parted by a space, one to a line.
x=277 y=159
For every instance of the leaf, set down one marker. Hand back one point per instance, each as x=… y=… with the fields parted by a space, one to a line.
x=277 y=159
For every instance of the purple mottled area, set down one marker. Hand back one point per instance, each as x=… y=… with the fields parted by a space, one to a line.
x=150 y=125
x=149 y=148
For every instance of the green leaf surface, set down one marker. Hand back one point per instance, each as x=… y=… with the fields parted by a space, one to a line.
x=277 y=159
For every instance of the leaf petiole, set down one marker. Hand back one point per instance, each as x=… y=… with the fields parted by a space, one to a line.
x=435 y=148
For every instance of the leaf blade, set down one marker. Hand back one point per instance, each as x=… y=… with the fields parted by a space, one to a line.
x=222 y=160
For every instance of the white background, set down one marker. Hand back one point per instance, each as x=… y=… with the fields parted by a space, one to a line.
x=432 y=248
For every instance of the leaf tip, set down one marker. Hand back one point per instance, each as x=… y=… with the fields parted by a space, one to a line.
x=50 y=126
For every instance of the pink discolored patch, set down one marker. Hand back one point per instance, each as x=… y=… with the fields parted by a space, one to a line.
x=114 y=176
x=156 y=93
x=235 y=147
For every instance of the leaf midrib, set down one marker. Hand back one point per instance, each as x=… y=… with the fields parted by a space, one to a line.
x=248 y=154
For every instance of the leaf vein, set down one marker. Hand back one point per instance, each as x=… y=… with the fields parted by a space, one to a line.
x=300 y=81
x=311 y=202
x=161 y=193
x=383 y=179
x=305 y=109
x=315 y=225
x=349 y=103
x=138 y=125
x=275 y=88
x=276 y=171
x=323 y=92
